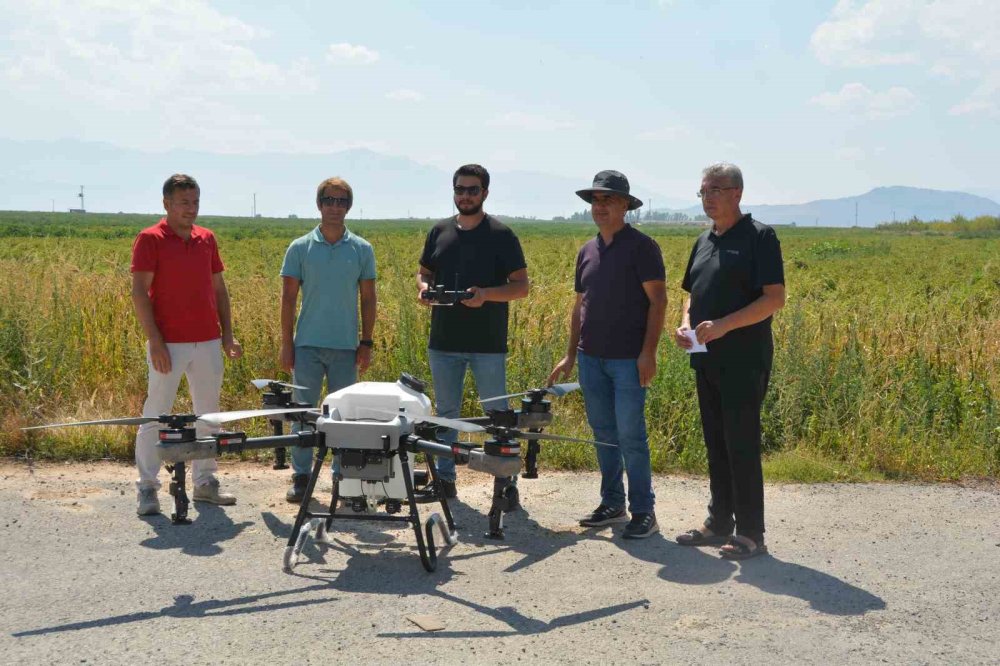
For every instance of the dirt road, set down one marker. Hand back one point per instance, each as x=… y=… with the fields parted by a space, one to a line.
x=857 y=573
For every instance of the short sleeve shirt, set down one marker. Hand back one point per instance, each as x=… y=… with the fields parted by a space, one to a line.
x=184 y=305
x=614 y=307
x=725 y=274
x=484 y=256
x=329 y=274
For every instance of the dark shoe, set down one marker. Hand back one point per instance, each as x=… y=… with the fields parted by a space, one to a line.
x=449 y=489
x=740 y=548
x=297 y=492
x=641 y=526
x=696 y=537
x=604 y=515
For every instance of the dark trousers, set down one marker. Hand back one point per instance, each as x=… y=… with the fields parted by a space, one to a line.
x=730 y=400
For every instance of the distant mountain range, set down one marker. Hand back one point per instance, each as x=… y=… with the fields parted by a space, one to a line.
x=883 y=204
x=40 y=175
x=37 y=175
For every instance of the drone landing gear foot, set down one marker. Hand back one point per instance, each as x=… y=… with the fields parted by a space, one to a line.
x=506 y=498
x=292 y=553
x=177 y=491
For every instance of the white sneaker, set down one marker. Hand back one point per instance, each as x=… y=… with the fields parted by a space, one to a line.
x=209 y=492
x=149 y=503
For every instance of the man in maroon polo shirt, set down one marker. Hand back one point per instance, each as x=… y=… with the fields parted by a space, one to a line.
x=181 y=303
x=615 y=326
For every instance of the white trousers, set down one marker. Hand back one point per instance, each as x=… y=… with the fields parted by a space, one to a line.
x=201 y=362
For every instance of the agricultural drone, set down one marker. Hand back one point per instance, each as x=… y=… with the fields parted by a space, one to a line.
x=371 y=429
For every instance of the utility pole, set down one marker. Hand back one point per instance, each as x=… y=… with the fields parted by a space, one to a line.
x=83 y=207
x=253 y=213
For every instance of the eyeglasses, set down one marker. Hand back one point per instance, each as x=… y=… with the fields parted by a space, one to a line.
x=343 y=202
x=713 y=192
x=474 y=190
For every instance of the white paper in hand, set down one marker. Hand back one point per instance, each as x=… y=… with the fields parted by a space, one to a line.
x=696 y=347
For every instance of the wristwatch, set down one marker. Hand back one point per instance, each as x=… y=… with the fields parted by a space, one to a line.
x=366 y=343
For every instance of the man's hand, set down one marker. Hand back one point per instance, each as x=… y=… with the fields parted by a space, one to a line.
x=420 y=292
x=160 y=356
x=232 y=347
x=646 y=363
x=287 y=357
x=681 y=339
x=562 y=370
x=362 y=358
x=711 y=330
x=478 y=297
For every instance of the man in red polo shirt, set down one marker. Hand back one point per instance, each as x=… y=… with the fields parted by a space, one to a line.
x=181 y=302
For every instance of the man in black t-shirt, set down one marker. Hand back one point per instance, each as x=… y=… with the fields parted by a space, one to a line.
x=474 y=252
x=736 y=283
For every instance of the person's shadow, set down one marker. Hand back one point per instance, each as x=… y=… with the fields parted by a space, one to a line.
x=689 y=565
x=210 y=527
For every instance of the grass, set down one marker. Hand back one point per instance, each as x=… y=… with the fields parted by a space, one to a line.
x=886 y=360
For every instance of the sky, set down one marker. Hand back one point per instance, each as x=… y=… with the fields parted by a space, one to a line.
x=812 y=99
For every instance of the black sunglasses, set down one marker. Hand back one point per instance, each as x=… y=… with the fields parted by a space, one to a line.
x=344 y=202
x=471 y=189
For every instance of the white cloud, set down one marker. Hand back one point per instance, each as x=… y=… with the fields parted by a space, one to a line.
x=145 y=68
x=404 y=95
x=352 y=53
x=857 y=98
x=865 y=35
x=532 y=122
x=951 y=39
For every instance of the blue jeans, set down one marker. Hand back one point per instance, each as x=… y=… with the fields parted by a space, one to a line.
x=616 y=410
x=448 y=372
x=312 y=364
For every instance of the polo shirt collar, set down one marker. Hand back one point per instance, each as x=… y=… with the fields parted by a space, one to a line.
x=168 y=231
x=624 y=232
x=318 y=237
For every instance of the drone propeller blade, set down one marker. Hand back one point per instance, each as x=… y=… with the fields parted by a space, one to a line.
x=218 y=418
x=505 y=397
x=263 y=383
x=461 y=426
x=134 y=420
x=558 y=390
x=558 y=438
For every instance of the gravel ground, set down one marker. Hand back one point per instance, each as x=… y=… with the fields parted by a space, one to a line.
x=856 y=574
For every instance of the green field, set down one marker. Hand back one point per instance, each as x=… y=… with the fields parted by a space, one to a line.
x=887 y=357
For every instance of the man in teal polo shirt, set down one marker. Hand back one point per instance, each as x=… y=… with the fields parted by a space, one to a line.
x=331 y=266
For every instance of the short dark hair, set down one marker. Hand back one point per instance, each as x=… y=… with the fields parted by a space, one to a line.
x=474 y=170
x=179 y=181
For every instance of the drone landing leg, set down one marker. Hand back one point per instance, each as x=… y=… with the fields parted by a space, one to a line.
x=291 y=555
x=279 y=452
x=436 y=484
x=428 y=552
x=531 y=458
x=497 y=508
x=179 y=516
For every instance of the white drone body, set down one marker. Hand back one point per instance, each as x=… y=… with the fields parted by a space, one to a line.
x=364 y=422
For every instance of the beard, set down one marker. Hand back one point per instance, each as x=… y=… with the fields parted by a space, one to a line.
x=470 y=209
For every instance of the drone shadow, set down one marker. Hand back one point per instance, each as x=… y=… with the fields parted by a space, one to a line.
x=376 y=567
x=185 y=606
x=210 y=527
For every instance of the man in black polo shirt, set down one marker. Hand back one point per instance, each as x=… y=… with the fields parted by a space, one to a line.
x=475 y=252
x=615 y=326
x=736 y=282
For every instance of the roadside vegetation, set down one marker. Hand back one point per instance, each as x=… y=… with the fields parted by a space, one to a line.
x=887 y=353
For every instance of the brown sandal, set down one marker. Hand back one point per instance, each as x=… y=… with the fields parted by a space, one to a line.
x=741 y=551
x=696 y=537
